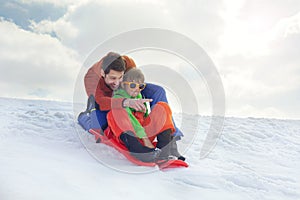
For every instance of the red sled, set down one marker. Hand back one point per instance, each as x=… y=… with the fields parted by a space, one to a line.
x=108 y=138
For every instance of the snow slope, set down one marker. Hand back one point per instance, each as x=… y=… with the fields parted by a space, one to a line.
x=42 y=157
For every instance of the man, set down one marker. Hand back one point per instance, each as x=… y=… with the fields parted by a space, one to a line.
x=101 y=80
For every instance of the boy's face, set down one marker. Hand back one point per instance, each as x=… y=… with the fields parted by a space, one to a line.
x=113 y=79
x=128 y=87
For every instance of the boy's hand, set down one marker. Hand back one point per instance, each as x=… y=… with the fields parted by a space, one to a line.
x=137 y=104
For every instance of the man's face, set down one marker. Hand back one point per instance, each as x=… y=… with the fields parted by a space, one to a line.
x=113 y=79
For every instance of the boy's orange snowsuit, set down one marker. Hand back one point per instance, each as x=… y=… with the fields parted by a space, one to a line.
x=127 y=119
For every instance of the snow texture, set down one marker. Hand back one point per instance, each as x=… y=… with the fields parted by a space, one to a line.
x=45 y=155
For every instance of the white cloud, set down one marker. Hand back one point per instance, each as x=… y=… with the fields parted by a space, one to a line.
x=241 y=36
x=54 y=2
x=93 y=22
x=258 y=61
x=88 y=24
x=252 y=25
x=61 y=28
x=287 y=26
x=32 y=61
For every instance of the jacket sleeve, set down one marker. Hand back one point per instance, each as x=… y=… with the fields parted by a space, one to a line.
x=92 y=78
x=105 y=101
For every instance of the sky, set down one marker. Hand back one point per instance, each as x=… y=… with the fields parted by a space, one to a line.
x=253 y=45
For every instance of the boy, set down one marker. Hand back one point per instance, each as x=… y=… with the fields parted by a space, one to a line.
x=137 y=129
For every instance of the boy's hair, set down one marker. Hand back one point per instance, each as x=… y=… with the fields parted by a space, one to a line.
x=113 y=61
x=134 y=74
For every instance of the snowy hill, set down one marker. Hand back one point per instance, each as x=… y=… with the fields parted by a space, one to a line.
x=42 y=157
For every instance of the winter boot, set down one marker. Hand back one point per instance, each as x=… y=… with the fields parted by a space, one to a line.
x=164 y=143
x=91 y=104
x=174 y=149
x=138 y=150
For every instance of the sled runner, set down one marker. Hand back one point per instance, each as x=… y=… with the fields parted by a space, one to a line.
x=107 y=138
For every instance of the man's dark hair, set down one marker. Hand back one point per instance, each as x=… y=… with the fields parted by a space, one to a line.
x=113 y=61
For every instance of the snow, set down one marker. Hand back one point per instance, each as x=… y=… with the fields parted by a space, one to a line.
x=44 y=154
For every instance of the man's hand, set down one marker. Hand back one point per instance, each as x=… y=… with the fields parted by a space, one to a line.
x=137 y=104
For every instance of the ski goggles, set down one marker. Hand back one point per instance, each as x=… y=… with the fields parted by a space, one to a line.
x=134 y=85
